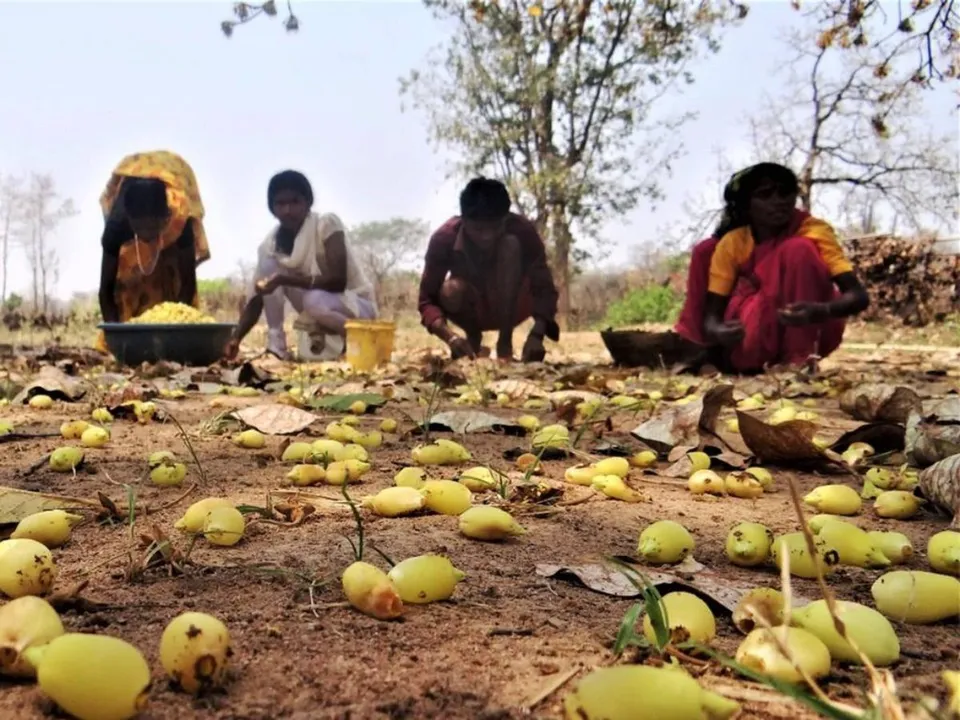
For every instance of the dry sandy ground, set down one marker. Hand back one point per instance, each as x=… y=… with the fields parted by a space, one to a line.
x=505 y=640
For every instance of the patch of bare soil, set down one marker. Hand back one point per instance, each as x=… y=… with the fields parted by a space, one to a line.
x=509 y=644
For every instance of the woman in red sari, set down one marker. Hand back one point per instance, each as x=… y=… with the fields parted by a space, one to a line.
x=772 y=286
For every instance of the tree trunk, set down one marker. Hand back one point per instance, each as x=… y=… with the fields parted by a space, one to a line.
x=806 y=186
x=6 y=255
x=35 y=258
x=43 y=287
x=560 y=230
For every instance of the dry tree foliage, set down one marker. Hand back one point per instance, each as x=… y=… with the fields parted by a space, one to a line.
x=908 y=279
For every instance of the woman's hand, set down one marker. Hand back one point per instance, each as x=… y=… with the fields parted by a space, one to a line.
x=800 y=314
x=726 y=334
x=460 y=347
x=231 y=349
x=268 y=284
x=533 y=350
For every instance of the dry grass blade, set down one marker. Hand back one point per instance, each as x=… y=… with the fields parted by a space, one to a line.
x=787 y=590
x=886 y=702
x=189 y=445
x=552 y=687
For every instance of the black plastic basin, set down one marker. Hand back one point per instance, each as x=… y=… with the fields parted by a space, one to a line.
x=188 y=344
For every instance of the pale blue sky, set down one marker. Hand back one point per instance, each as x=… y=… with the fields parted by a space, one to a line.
x=86 y=83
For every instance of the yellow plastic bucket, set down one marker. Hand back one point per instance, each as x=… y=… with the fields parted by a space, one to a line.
x=369 y=343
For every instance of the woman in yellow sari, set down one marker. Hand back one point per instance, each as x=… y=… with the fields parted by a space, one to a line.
x=153 y=236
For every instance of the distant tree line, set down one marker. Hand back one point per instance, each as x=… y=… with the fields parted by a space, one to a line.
x=570 y=104
x=31 y=210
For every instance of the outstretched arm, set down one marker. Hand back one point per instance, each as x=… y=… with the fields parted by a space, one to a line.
x=111 y=241
x=249 y=313
x=545 y=297
x=435 y=268
x=853 y=300
x=108 y=284
x=544 y=293
x=727 y=334
x=249 y=317
x=187 y=265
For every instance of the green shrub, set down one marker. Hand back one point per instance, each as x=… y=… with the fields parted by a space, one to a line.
x=651 y=304
x=220 y=297
x=214 y=287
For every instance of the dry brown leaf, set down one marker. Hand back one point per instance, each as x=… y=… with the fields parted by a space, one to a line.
x=439 y=371
x=276 y=419
x=944 y=411
x=473 y=421
x=681 y=425
x=682 y=468
x=249 y=374
x=609 y=580
x=16 y=504
x=577 y=375
x=190 y=376
x=883 y=437
x=129 y=393
x=790 y=442
x=679 y=451
x=729 y=459
x=796 y=389
x=940 y=484
x=563 y=397
x=929 y=443
x=733 y=441
x=881 y=402
x=53 y=382
x=127 y=409
x=398 y=392
x=516 y=389
x=273 y=365
x=351 y=388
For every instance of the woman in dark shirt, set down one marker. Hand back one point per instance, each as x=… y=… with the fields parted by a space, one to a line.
x=153 y=237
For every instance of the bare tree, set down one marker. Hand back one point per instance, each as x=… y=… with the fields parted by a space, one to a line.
x=244 y=12
x=43 y=211
x=11 y=218
x=702 y=210
x=384 y=246
x=858 y=137
x=568 y=103
x=926 y=33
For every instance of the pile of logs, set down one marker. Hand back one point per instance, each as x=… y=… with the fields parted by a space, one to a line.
x=915 y=281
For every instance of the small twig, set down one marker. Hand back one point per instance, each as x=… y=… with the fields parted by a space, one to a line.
x=387 y=559
x=36 y=466
x=557 y=683
x=313 y=601
x=109 y=561
x=580 y=501
x=179 y=498
x=15 y=436
x=673 y=651
x=189 y=445
x=523 y=632
x=358 y=547
x=111 y=480
x=299 y=493
x=887 y=701
x=326 y=606
x=146 y=510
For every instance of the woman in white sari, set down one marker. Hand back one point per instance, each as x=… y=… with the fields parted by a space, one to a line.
x=307 y=260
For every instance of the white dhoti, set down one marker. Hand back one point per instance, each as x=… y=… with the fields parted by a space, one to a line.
x=320 y=314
